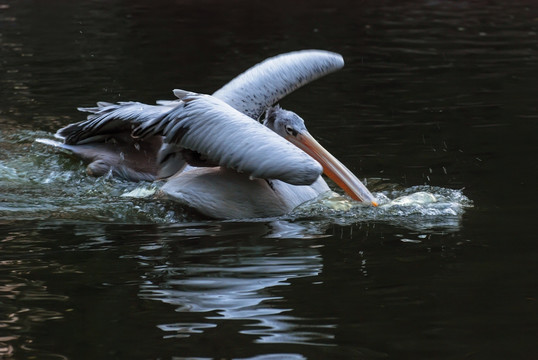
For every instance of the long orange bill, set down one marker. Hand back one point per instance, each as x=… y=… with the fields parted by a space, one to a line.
x=333 y=168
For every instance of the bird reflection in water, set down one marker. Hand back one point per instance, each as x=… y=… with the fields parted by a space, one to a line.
x=239 y=282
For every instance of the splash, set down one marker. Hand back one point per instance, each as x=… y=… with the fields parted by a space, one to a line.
x=416 y=207
x=39 y=183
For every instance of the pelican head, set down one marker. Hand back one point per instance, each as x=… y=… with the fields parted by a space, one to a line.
x=285 y=123
x=291 y=126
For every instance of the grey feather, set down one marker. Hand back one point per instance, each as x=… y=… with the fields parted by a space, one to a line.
x=109 y=118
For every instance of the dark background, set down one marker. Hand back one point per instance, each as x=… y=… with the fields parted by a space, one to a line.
x=436 y=93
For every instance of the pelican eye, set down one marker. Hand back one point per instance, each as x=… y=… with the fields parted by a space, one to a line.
x=291 y=131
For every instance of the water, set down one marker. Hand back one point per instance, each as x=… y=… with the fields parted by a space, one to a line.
x=436 y=108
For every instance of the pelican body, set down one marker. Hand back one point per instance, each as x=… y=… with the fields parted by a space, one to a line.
x=215 y=154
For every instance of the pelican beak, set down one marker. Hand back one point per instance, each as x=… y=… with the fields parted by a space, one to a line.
x=333 y=168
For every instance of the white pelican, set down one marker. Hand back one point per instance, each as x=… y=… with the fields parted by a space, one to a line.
x=216 y=156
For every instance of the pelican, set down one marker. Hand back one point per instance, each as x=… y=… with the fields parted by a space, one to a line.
x=215 y=155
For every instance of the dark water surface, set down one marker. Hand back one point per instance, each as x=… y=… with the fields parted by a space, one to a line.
x=437 y=98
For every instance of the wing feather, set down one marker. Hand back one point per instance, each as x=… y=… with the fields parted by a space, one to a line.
x=250 y=93
x=264 y=84
x=207 y=125
x=108 y=118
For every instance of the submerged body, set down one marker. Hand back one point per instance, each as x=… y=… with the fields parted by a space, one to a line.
x=123 y=158
x=217 y=158
x=222 y=193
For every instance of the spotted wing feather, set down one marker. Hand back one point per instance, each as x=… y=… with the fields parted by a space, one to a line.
x=264 y=84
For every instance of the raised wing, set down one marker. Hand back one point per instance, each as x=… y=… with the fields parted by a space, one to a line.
x=251 y=93
x=212 y=128
x=264 y=84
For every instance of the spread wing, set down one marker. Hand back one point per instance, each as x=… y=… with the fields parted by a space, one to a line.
x=264 y=84
x=250 y=93
x=212 y=128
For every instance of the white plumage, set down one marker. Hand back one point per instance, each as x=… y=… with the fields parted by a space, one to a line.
x=205 y=124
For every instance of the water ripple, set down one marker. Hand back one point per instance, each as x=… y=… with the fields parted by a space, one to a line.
x=43 y=185
x=241 y=287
